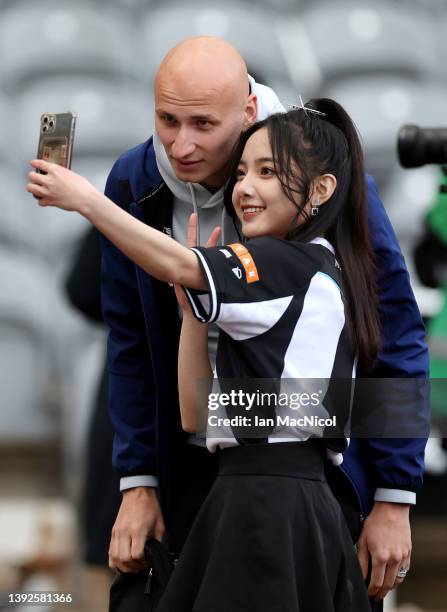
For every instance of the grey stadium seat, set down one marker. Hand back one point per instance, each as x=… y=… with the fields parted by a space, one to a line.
x=57 y=234
x=17 y=214
x=380 y=106
x=95 y=169
x=110 y=118
x=44 y=38
x=40 y=338
x=441 y=38
x=25 y=350
x=434 y=7
x=283 y=6
x=352 y=39
x=135 y=7
x=9 y=150
x=408 y=197
x=26 y=229
x=247 y=27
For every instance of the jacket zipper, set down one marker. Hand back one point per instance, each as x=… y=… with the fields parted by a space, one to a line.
x=148 y=587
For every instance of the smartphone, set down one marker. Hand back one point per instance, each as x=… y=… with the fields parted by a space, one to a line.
x=56 y=138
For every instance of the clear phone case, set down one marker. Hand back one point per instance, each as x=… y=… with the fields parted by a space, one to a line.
x=56 y=138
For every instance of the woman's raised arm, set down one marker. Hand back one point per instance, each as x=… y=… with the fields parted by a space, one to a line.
x=156 y=253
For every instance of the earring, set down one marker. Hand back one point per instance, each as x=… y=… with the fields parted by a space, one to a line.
x=315 y=207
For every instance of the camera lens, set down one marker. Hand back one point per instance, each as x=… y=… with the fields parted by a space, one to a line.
x=418 y=146
x=51 y=123
x=45 y=128
x=45 y=119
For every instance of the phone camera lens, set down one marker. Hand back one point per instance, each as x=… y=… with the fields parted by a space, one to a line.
x=45 y=128
x=45 y=119
x=51 y=123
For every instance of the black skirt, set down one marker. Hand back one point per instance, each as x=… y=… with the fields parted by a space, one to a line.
x=269 y=537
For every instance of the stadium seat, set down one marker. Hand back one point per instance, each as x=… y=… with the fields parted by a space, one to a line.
x=134 y=7
x=41 y=337
x=58 y=234
x=247 y=27
x=9 y=154
x=95 y=169
x=53 y=38
x=17 y=214
x=441 y=39
x=283 y=6
x=25 y=350
x=407 y=196
x=380 y=105
x=49 y=234
x=298 y=53
x=80 y=394
x=433 y=7
x=349 y=39
x=110 y=118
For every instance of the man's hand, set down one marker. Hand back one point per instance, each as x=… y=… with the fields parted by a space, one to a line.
x=192 y=241
x=192 y=233
x=139 y=517
x=386 y=538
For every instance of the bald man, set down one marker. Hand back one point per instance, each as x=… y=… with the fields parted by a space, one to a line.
x=204 y=99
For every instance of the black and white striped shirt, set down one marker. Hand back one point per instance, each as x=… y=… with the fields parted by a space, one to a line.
x=280 y=310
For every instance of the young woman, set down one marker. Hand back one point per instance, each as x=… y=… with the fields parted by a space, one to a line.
x=294 y=302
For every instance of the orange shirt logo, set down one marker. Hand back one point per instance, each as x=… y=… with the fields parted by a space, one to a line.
x=242 y=253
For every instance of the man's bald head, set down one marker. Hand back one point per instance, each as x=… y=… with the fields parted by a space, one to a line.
x=202 y=104
x=206 y=61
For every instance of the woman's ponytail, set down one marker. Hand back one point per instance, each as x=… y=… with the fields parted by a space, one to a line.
x=350 y=236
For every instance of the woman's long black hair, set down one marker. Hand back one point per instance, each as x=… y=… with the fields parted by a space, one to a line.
x=306 y=145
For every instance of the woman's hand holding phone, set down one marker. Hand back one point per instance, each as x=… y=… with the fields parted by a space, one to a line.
x=60 y=187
